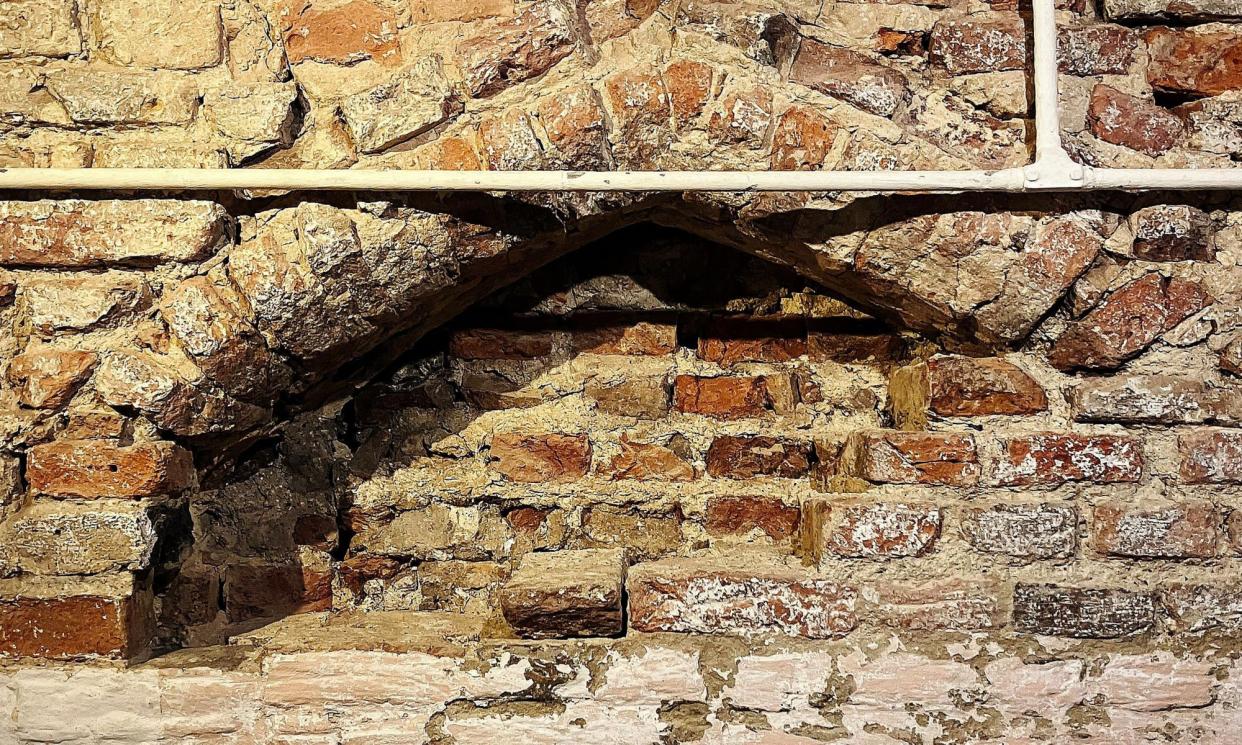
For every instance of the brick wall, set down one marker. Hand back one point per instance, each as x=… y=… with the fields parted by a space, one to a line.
x=734 y=468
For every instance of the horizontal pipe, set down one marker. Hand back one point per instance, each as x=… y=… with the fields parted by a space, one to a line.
x=205 y=179
x=202 y=179
x=1165 y=179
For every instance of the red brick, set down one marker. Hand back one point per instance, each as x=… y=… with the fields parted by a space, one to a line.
x=1127 y=322
x=540 y=458
x=730 y=342
x=955 y=605
x=1211 y=456
x=1083 y=613
x=1023 y=531
x=642 y=338
x=964 y=387
x=93 y=468
x=741 y=515
x=1096 y=50
x=69 y=627
x=849 y=76
x=1173 y=232
x=980 y=44
x=877 y=530
x=747 y=457
x=914 y=458
x=648 y=462
x=802 y=140
x=1050 y=458
x=1133 y=122
x=825 y=346
x=724 y=397
x=576 y=127
x=689 y=85
x=500 y=344
x=1182 y=531
x=513 y=50
x=703 y=597
x=1197 y=62
x=356 y=31
x=47 y=377
x=1178 y=11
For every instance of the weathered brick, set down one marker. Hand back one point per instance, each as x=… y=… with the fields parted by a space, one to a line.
x=744 y=118
x=61 y=304
x=343 y=35
x=979 y=44
x=641 y=109
x=730 y=397
x=69 y=627
x=1096 y=50
x=1154 y=399
x=648 y=462
x=730 y=342
x=1127 y=322
x=435 y=11
x=869 y=530
x=1082 y=613
x=499 y=344
x=643 y=535
x=747 y=457
x=1197 y=608
x=849 y=76
x=689 y=85
x=890 y=457
x=642 y=398
x=538 y=458
x=1173 y=232
x=1133 y=122
x=507 y=142
x=175 y=34
x=56 y=538
x=742 y=515
x=48 y=377
x=107 y=96
x=641 y=338
x=829 y=346
x=962 y=387
x=39 y=28
x=92 y=468
x=802 y=140
x=566 y=594
x=1049 y=458
x=1211 y=456
x=958 y=605
x=1023 y=531
x=1183 y=531
x=1172 y=10
x=704 y=597
x=509 y=51
x=410 y=103
x=75 y=233
x=1197 y=62
x=577 y=129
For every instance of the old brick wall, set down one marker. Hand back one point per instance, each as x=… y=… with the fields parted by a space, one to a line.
x=635 y=468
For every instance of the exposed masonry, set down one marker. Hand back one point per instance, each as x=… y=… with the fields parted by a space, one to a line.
x=634 y=468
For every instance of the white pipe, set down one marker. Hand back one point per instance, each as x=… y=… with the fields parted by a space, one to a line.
x=192 y=179
x=1053 y=170
x=1047 y=103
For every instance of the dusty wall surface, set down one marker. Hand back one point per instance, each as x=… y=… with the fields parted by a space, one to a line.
x=366 y=468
